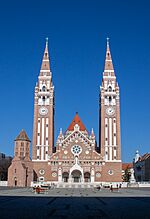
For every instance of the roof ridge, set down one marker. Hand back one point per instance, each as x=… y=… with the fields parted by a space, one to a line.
x=76 y=120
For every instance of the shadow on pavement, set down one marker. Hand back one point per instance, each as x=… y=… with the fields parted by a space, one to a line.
x=25 y=207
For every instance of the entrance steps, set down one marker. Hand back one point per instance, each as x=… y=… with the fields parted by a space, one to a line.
x=74 y=185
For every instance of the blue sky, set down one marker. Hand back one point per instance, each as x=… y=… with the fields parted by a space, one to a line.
x=77 y=31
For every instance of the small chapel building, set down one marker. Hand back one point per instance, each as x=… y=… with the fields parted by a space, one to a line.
x=20 y=173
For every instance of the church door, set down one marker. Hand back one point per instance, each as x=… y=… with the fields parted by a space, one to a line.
x=87 y=177
x=65 y=176
x=76 y=175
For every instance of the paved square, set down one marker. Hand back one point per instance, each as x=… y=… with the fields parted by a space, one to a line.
x=75 y=203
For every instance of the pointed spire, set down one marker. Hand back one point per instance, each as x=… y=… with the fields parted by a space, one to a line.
x=137 y=156
x=45 y=67
x=22 y=136
x=107 y=42
x=108 y=61
x=92 y=133
x=60 y=133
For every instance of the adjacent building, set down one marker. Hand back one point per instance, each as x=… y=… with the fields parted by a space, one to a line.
x=141 y=166
x=5 y=162
x=20 y=173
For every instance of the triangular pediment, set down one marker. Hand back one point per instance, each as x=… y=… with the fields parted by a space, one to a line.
x=76 y=134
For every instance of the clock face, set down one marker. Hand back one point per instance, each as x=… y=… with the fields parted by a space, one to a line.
x=110 y=111
x=43 y=111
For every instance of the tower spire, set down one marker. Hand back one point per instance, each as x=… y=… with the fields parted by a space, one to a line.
x=108 y=68
x=45 y=67
x=43 y=129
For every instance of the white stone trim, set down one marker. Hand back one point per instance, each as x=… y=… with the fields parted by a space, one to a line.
x=117 y=161
x=108 y=60
x=43 y=77
x=112 y=77
x=106 y=131
x=80 y=134
x=38 y=137
x=115 y=153
x=42 y=147
x=46 y=155
x=110 y=138
x=39 y=160
x=108 y=70
x=38 y=152
x=76 y=167
x=114 y=131
x=44 y=70
x=47 y=121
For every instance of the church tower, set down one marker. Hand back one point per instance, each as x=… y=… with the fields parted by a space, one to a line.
x=43 y=127
x=20 y=172
x=109 y=135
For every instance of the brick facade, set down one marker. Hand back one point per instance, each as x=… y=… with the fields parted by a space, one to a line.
x=76 y=157
x=20 y=172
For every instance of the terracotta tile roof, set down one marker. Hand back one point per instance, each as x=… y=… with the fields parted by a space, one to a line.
x=22 y=136
x=126 y=166
x=75 y=121
x=145 y=157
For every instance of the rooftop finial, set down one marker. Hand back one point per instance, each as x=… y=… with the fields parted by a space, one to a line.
x=107 y=41
x=47 y=41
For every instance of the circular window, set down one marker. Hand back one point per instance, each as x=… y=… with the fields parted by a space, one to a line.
x=87 y=152
x=98 y=175
x=65 y=152
x=110 y=172
x=54 y=174
x=41 y=172
x=76 y=149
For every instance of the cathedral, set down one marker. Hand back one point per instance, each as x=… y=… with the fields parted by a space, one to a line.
x=75 y=158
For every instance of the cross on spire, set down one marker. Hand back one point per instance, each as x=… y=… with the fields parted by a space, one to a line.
x=107 y=41
x=46 y=41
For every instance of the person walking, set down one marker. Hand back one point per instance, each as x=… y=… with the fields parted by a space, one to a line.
x=111 y=188
x=117 y=187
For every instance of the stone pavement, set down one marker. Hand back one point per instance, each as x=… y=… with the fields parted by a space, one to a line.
x=75 y=204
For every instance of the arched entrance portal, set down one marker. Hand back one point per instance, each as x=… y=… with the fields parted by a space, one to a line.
x=87 y=177
x=65 y=176
x=76 y=175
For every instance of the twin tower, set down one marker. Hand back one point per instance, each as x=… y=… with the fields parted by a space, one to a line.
x=79 y=152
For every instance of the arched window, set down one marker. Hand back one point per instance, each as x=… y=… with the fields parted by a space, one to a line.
x=65 y=176
x=44 y=88
x=87 y=177
x=109 y=88
x=43 y=98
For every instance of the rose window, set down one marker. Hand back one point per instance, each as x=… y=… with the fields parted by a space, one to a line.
x=76 y=149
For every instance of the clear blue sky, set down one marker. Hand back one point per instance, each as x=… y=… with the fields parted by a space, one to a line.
x=77 y=31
